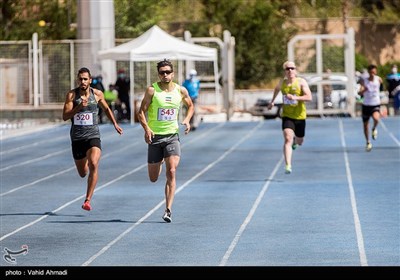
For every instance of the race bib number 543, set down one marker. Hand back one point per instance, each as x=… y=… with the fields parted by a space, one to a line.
x=83 y=119
x=167 y=114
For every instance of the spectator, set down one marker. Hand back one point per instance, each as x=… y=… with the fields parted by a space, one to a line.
x=97 y=83
x=123 y=85
x=111 y=97
x=393 y=81
x=192 y=84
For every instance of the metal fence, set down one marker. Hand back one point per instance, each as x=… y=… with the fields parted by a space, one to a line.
x=327 y=62
x=15 y=73
x=58 y=61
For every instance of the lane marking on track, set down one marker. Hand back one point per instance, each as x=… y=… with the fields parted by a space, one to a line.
x=247 y=220
x=390 y=134
x=161 y=203
x=96 y=190
x=356 y=218
x=63 y=171
x=37 y=143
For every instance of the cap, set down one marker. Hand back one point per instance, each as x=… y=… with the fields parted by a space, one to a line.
x=193 y=72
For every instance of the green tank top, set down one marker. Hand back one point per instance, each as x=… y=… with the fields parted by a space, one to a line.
x=164 y=110
x=293 y=109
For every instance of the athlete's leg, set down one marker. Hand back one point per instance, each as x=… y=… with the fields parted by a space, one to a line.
x=93 y=156
x=288 y=135
x=154 y=170
x=171 y=164
x=366 y=129
x=82 y=166
x=376 y=116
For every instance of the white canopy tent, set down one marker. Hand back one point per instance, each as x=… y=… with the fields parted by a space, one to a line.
x=155 y=45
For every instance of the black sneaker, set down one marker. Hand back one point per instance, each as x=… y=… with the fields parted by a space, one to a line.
x=167 y=216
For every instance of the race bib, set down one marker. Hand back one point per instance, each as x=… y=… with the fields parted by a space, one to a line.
x=289 y=101
x=167 y=114
x=83 y=119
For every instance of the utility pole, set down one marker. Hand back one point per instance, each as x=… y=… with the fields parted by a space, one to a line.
x=345 y=11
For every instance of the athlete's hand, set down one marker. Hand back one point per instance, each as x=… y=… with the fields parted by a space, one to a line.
x=148 y=136
x=187 y=126
x=84 y=102
x=118 y=129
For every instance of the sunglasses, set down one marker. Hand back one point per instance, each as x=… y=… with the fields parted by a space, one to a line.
x=290 y=68
x=164 y=72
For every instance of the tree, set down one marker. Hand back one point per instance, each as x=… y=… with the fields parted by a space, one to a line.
x=21 y=19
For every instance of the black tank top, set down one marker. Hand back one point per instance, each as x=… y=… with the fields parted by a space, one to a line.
x=85 y=122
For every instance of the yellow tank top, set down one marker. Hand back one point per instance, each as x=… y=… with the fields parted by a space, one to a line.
x=164 y=110
x=293 y=109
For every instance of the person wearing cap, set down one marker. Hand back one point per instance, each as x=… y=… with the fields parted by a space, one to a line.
x=192 y=84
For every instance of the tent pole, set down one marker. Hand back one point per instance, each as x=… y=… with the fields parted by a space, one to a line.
x=217 y=90
x=132 y=92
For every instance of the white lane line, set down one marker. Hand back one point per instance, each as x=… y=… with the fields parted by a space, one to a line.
x=253 y=209
x=34 y=160
x=357 y=223
x=63 y=171
x=46 y=156
x=161 y=203
x=72 y=201
x=82 y=196
x=390 y=133
x=19 y=148
x=37 y=181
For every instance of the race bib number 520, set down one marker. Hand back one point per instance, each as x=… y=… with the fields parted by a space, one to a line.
x=167 y=114
x=83 y=119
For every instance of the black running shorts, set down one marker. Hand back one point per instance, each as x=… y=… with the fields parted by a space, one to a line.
x=298 y=126
x=80 y=148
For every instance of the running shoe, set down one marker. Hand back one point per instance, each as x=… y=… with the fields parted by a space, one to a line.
x=86 y=206
x=167 y=216
x=374 y=134
x=288 y=169
x=294 y=145
x=368 y=148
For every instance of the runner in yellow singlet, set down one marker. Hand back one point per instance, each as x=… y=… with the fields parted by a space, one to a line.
x=295 y=92
x=161 y=103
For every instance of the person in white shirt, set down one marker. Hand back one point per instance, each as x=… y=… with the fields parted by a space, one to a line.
x=370 y=91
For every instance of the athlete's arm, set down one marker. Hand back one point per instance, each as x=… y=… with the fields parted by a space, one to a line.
x=305 y=89
x=99 y=95
x=69 y=111
x=144 y=107
x=277 y=89
x=362 y=88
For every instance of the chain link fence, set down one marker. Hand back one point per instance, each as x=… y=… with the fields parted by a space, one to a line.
x=15 y=73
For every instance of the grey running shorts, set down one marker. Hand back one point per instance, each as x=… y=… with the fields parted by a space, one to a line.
x=163 y=146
